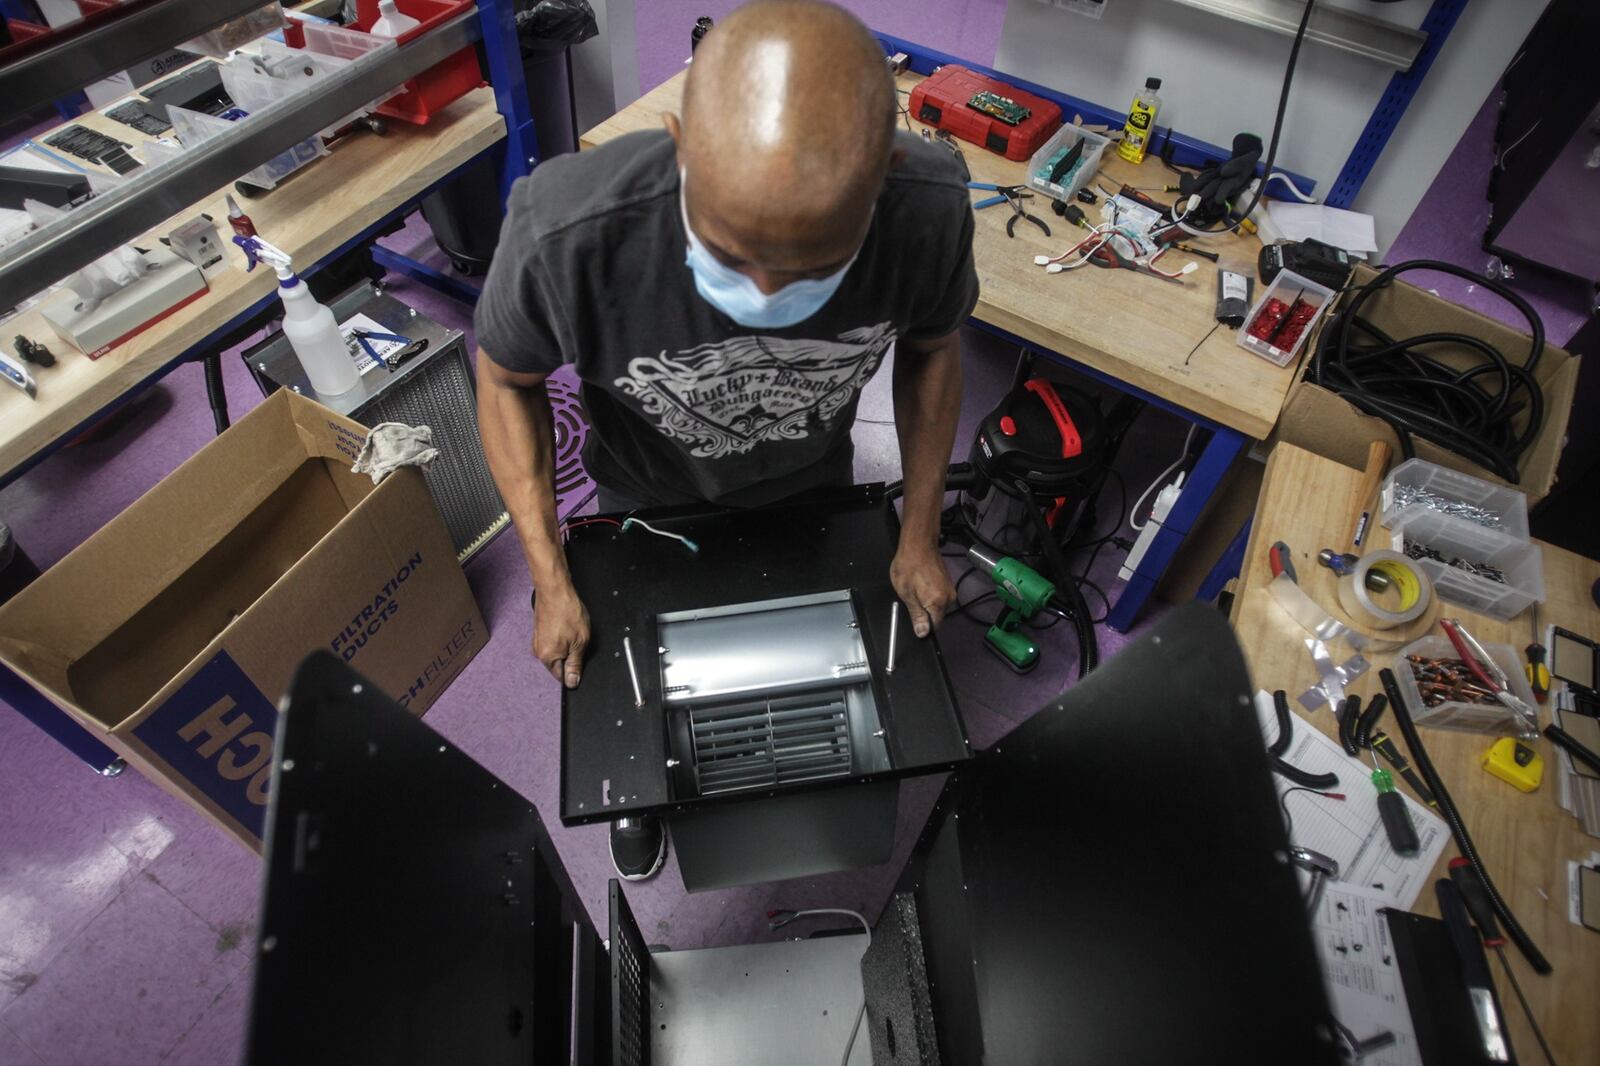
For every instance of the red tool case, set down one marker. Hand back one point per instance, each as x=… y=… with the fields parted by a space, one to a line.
x=941 y=100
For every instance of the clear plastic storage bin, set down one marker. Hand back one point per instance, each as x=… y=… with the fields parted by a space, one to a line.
x=1094 y=146
x=1508 y=503
x=1473 y=717
x=1288 y=290
x=196 y=127
x=1519 y=560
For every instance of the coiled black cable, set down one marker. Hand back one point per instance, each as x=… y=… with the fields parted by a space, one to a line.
x=1458 y=828
x=1490 y=412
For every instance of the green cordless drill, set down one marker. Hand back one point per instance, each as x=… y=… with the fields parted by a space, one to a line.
x=1024 y=592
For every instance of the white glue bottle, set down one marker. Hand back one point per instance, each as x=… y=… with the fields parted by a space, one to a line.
x=392 y=22
x=311 y=328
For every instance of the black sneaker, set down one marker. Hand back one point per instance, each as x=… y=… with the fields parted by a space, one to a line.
x=638 y=847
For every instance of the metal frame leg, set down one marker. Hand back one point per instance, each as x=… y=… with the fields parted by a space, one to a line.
x=1229 y=563
x=1224 y=446
x=504 y=55
x=28 y=702
x=438 y=280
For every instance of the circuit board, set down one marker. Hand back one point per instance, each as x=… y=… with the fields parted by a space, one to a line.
x=1003 y=108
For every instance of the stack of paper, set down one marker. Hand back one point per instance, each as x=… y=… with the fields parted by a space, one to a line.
x=1579 y=785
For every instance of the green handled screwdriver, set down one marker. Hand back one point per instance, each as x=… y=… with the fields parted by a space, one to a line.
x=1392 y=809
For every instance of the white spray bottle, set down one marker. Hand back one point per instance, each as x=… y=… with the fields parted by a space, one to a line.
x=311 y=328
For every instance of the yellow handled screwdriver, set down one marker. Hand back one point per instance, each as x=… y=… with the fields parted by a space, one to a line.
x=1538 y=672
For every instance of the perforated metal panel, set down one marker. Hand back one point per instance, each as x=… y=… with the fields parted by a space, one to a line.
x=763 y=742
x=630 y=986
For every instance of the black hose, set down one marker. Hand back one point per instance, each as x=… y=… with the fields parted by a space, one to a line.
x=1346 y=717
x=215 y=392
x=1458 y=828
x=1473 y=411
x=1368 y=719
x=1280 y=708
x=1067 y=590
x=1320 y=782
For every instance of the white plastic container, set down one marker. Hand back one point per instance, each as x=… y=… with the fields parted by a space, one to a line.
x=1287 y=287
x=1519 y=560
x=1508 y=503
x=314 y=335
x=391 y=21
x=1094 y=146
x=1473 y=717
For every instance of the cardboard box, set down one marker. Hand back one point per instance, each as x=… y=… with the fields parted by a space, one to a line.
x=1320 y=421
x=172 y=632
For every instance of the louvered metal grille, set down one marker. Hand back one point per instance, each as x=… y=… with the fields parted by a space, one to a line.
x=764 y=742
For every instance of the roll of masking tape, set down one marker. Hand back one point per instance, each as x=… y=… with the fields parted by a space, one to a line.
x=1408 y=594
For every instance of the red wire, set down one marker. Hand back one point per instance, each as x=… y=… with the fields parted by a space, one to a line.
x=575 y=523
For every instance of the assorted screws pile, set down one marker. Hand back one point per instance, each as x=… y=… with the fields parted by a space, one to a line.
x=1406 y=495
x=1448 y=681
x=1483 y=570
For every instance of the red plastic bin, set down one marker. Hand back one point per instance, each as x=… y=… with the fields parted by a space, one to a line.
x=440 y=85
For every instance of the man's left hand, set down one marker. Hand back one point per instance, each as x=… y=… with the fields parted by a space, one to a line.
x=923 y=585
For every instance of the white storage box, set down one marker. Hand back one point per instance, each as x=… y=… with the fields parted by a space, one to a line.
x=1455 y=538
x=1094 y=146
x=1475 y=717
x=1508 y=503
x=1288 y=289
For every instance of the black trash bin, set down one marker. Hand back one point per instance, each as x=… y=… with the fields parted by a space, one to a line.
x=465 y=215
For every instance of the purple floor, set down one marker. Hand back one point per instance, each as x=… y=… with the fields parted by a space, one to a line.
x=128 y=919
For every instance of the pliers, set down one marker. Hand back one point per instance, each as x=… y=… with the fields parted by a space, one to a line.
x=1013 y=195
x=365 y=337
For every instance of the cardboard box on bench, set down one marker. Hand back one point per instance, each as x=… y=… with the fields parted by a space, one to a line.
x=173 y=632
x=1320 y=421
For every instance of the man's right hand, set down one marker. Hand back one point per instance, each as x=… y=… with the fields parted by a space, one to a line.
x=560 y=632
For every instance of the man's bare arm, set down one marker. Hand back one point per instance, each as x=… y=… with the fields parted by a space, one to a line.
x=517 y=428
x=927 y=406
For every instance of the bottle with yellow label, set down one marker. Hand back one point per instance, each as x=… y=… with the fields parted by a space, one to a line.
x=1141 y=124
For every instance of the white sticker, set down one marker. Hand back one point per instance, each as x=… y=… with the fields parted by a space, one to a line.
x=1234 y=286
x=363 y=359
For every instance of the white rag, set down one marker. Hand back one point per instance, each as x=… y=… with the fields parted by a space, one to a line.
x=391 y=445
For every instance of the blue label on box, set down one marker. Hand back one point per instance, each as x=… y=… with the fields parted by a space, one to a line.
x=217 y=732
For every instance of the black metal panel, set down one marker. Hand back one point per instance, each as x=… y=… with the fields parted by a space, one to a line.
x=415 y=910
x=613 y=751
x=1110 y=883
x=630 y=985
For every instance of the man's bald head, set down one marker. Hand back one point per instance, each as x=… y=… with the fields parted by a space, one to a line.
x=786 y=135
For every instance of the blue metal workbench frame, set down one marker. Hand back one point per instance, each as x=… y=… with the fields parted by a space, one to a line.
x=516 y=155
x=1223 y=444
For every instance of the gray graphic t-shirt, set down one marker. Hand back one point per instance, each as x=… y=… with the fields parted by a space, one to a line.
x=686 y=404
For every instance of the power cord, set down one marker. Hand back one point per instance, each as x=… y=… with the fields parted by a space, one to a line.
x=1277 y=129
x=1161 y=478
x=779 y=919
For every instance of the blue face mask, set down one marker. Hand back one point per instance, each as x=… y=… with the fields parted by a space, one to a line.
x=738 y=297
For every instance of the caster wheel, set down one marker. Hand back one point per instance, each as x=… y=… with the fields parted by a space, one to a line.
x=1499 y=268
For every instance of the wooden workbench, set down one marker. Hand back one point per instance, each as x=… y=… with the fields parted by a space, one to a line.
x=364 y=178
x=1137 y=329
x=1525 y=839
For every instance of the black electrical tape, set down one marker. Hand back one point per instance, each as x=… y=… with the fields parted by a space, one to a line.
x=1419 y=396
x=1280 y=707
x=1458 y=828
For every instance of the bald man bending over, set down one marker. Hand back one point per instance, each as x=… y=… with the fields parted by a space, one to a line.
x=724 y=289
